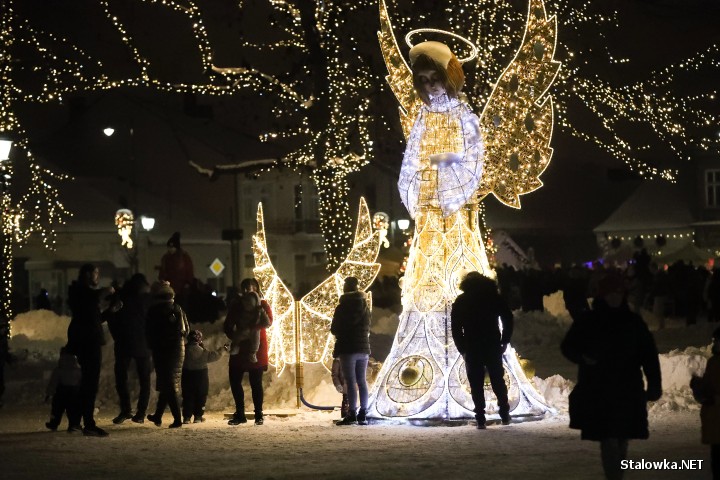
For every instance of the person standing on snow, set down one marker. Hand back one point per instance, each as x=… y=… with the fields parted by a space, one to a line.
x=475 y=330
x=613 y=349
x=706 y=390
x=351 y=327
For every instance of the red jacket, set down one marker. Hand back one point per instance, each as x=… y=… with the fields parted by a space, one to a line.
x=240 y=360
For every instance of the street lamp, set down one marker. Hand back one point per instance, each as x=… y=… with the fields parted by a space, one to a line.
x=5 y=146
x=148 y=223
x=108 y=131
x=403 y=224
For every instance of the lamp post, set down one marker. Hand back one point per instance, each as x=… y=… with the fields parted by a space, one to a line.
x=7 y=225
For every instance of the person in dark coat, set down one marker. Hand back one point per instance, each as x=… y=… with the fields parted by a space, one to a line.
x=477 y=336
x=128 y=329
x=242 y=349
x=167 y=327
x=706 y=390
x=64 y=388
x=42 y=301
x=86 y=339
x=351 y=327
x=176 y=267
x=613 y=349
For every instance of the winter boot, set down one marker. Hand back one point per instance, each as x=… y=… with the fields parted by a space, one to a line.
x=138 y=418
x=122 y=417
x=51 y=426
x=350 y=419
x=177 y=423
x=200 y=419
x=505 y=414
x=238 y=418
x=259 y=420
x=74 y=429
x=156 y=419
x=362 y=417
x=186 y=420
x=94 y=431
x=480 y=422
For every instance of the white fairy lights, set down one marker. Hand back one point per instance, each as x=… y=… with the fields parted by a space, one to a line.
x=316 y=308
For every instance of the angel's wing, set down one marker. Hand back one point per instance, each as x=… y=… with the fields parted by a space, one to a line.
x=281 y=335
x=318 y=306
x=517 y=120
x=399 y=75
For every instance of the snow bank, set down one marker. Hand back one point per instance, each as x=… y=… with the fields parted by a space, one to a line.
x=384 y=322
x=38 y=335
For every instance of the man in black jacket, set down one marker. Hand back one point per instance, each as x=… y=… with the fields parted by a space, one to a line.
x=478 y=338
x=85 y=340
x=128 y=329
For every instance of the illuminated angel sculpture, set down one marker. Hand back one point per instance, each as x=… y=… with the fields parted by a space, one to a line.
x=452 y=160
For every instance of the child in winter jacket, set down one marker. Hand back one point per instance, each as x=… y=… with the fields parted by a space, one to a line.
x=246 y=328
x=64 y=388
x=706 y=390
x=195 y=378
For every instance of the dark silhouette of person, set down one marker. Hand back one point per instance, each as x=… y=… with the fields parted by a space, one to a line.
x=477 y=336
x=176 y=267
x=64 y=388
x=128 y=329
x=42 y=301
x=86 y=339
x=242 y=349
x=351 y=327
x=167 y=327
x=575 y=291
x=613 y=349
x=706 y=390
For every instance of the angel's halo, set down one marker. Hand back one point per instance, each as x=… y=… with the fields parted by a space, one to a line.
x=473 y=49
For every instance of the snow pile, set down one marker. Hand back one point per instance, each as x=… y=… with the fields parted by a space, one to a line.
x=384 y=322
x=555 y=390
x=555 y=306
x=38 y=336
x=677 y=367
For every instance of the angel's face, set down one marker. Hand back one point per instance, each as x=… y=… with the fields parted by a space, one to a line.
x=431 y=82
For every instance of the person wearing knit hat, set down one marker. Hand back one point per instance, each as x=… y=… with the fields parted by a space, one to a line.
x=195 y=377
x=167 y=327
x=176 y=267
x=613 y=349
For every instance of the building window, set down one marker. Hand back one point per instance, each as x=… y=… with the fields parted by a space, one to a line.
x=712 y=188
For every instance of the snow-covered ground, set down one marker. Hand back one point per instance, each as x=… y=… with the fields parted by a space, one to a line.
x=304 y=444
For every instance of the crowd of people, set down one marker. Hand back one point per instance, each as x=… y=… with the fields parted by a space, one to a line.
x=618 y=365
x=152 y=331
x=681 y=290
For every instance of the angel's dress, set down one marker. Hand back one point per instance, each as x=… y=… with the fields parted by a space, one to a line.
x=424 y=375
